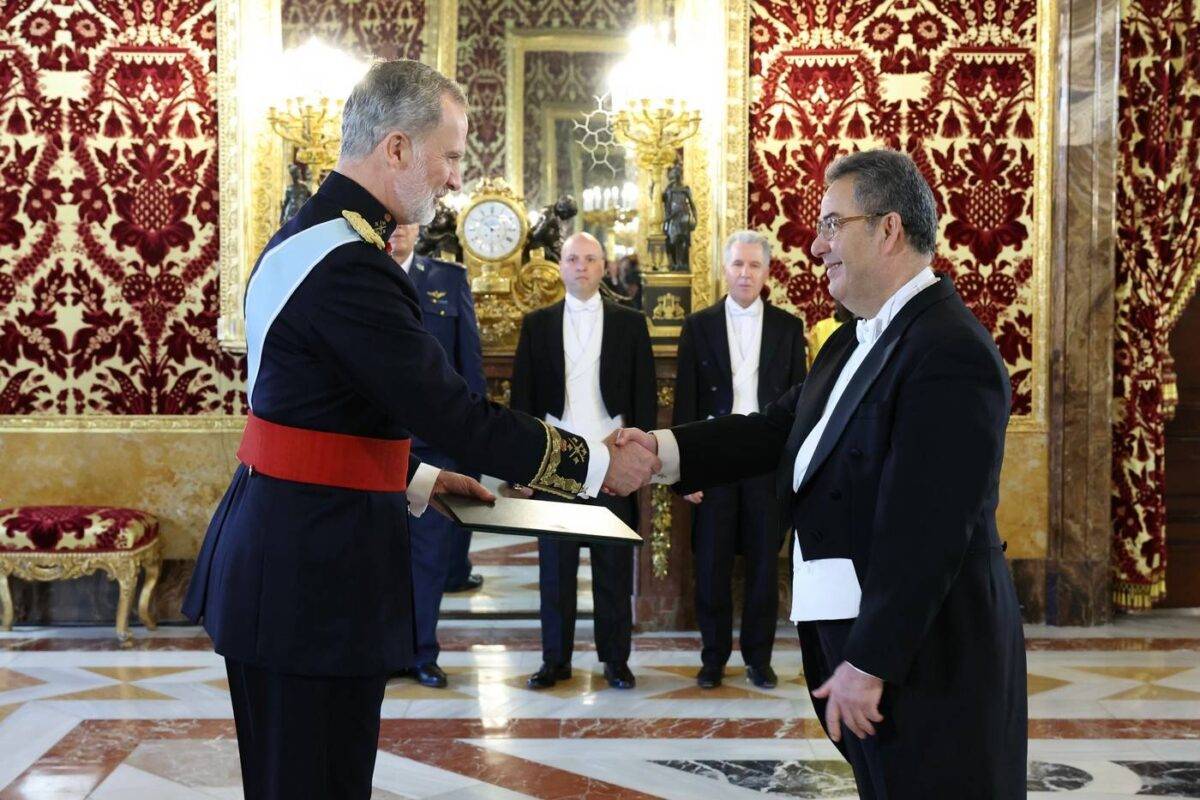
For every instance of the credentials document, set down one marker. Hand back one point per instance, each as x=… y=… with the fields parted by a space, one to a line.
x=571 y=521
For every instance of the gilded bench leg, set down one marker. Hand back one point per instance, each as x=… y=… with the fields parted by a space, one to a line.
x=6 y=620
x=126 y=574
x=153 y=567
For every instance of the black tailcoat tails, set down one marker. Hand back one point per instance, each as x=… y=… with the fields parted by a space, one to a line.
x=627 y=388
x=905 y=482
x=313 y=581
x=740 y=516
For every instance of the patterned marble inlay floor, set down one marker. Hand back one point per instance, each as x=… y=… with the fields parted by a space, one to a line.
x=1115 y=713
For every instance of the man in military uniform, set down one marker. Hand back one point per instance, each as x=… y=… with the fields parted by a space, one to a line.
x=439 y=546
x=304 y=580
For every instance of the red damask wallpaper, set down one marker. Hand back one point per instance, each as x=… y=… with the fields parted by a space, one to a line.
x=950 y=82
x=382 y=28
x=108 y=210
x=1158 y=256
x=482 y=67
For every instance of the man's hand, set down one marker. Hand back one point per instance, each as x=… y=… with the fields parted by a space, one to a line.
x=851 y=697
x=453 y=483
x=637 y=436
x=694 y=498
x=631 y=462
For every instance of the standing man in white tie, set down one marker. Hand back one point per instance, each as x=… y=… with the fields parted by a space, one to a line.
x=586 y=364
x=889 y=456
x=736 y=357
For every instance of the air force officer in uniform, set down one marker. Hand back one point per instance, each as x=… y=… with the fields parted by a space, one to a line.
x=304 y=579
x=439 y=545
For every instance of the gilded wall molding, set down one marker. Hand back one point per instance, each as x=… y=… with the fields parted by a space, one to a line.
x=250 y=158
x=1037 y=421
x=121 y=424
x=440 y=36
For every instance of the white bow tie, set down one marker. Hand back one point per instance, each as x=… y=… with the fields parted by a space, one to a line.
x=869 y=330
x=590 y=307
x=737 y=311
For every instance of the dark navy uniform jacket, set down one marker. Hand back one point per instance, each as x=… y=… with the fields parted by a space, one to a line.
x=311 y=579
x=448 y=312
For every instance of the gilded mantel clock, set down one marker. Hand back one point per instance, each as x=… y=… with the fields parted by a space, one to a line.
x=493 y=228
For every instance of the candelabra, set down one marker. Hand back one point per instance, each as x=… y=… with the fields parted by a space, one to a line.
x=313 y=127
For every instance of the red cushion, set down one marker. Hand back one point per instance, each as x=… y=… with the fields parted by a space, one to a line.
x=75 y=528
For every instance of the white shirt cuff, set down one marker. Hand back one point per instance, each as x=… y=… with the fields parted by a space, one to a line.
x=420 y=488
x=668 y=454
x=862 y=672
x=598 y=458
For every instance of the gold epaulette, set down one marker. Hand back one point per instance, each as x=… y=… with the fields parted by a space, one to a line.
x=557 y=445
x=364 y=229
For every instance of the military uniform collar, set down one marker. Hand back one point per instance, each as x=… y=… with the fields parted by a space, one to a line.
x=349 y=196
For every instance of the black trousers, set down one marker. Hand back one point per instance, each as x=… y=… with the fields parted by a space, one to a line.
x=612 y=591
x=303 y=737
x=734 y=519
x=821 y=647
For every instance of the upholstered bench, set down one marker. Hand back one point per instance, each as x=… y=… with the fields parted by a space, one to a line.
x=49 y=543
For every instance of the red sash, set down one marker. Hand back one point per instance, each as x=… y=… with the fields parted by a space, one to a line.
x=327 y=459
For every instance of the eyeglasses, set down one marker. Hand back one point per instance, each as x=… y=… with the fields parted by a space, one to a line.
x=829 y=226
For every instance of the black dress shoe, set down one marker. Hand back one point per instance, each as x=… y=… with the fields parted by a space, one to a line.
x=473 y=582
x=618 y=675
x=430 y=675
x=548 y=675
x=710 y=677
x=762 y=677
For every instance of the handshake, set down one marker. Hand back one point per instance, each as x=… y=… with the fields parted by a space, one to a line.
x=633 y=461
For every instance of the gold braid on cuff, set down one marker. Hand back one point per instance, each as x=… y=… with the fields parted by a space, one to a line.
x=547 y=479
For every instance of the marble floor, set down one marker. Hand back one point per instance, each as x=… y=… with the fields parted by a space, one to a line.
x=509 y=566
x=1114 y=713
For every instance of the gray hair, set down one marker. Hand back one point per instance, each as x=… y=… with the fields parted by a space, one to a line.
x=887 y=181
x=747 y=237
x=400 y=95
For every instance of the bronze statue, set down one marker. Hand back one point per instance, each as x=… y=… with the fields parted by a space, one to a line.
x=440 y=235
x=548 y=233
x=296 y=194
x=679 y=218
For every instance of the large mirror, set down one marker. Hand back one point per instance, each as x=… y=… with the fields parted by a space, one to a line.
x=535 y=72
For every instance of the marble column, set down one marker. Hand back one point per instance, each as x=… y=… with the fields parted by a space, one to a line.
x=1081 y=299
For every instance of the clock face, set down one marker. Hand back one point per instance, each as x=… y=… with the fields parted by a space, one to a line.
x=492 y=230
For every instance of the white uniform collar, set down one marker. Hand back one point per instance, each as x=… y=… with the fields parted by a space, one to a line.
x=407 y=263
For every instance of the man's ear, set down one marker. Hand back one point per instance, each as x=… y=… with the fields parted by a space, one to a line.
x=398 y=148
x=893 y=231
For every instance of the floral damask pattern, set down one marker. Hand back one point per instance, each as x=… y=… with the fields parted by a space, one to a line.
x=384 y=29
x=1157 y=264
x=75 y=528
x=482 y=66
x=950 y=82
x=108 y=238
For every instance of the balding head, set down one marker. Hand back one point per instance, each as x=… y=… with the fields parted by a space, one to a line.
x=581 y=265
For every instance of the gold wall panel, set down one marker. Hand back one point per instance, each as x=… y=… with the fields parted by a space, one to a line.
x=179 y=476
x=1024 y=513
